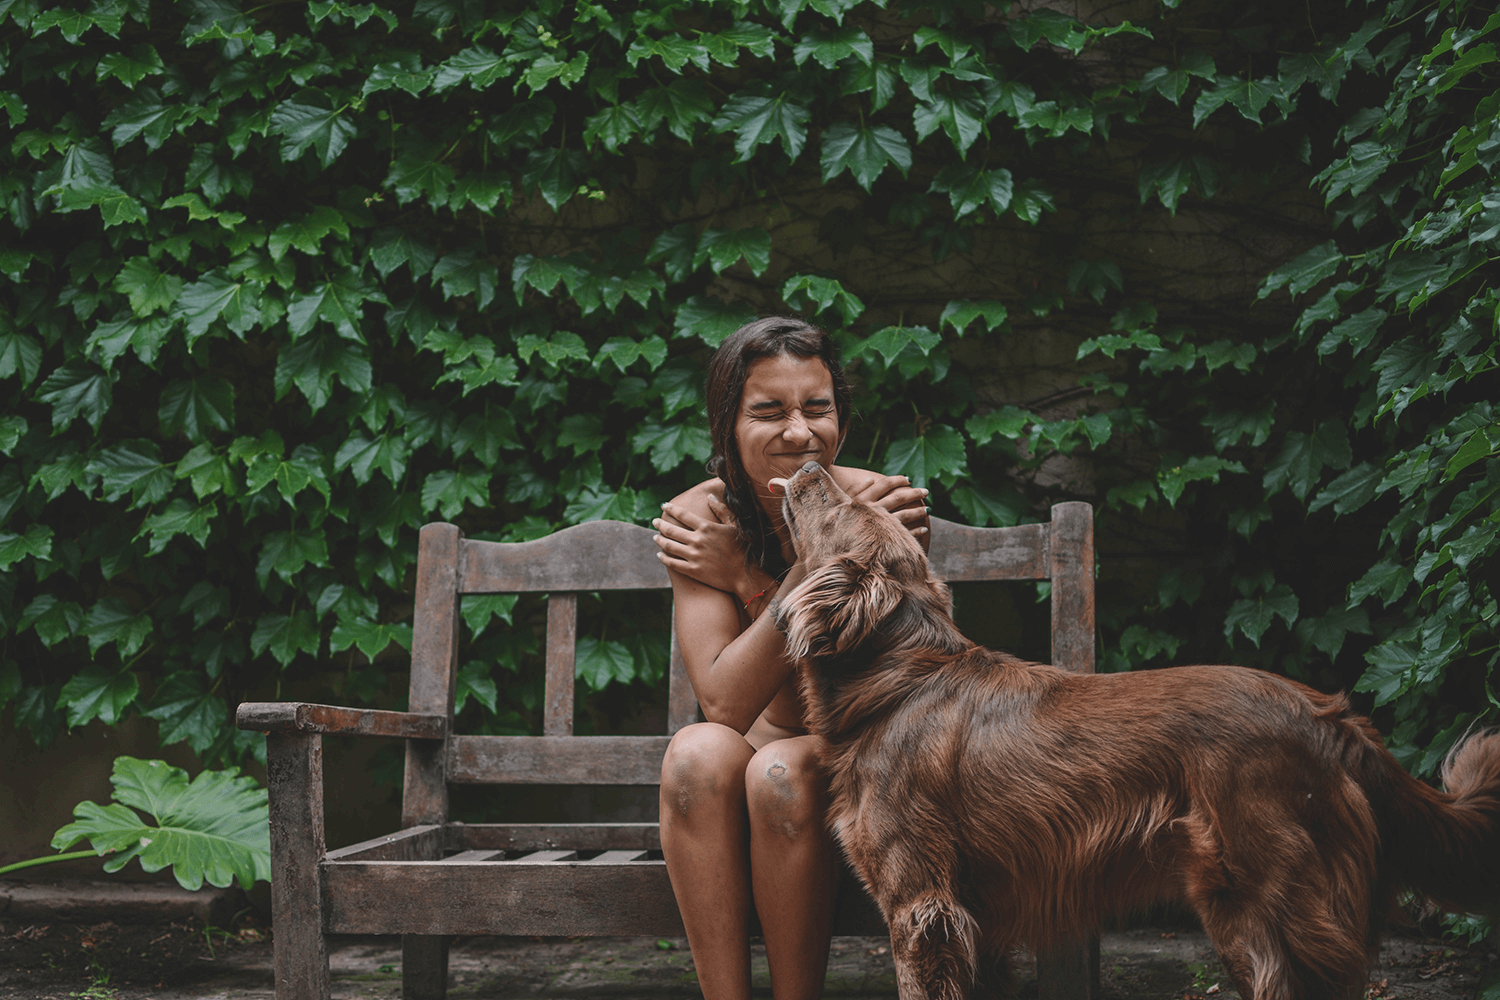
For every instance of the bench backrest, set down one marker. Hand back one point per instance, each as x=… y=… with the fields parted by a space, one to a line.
x=614 y=555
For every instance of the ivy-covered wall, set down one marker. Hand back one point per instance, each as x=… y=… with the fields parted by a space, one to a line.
x=283 y=282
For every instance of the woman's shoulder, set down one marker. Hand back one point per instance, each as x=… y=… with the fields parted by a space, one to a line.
x=695 y=498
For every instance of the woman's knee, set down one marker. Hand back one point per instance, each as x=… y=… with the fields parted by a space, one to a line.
x=705 y=761
x=786 y=788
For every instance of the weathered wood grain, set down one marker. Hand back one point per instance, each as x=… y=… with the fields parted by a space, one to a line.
x=1071 y=972
x=304 y=717
x=294 y=775
x=562 y=659
x=434 y=650
x=434 y=670
x=546 y=836
x=615 y=858
x=587 y=898
x=559 y=897
x=412 y=844
x=1072 y=573
x=424 y=967
x=539 y=857
x=556 y=760
x=960 y=553
x=464 y=857
x=434 y=674
x=598 y=555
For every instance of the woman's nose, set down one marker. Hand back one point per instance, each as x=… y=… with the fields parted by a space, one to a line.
x=796 y=429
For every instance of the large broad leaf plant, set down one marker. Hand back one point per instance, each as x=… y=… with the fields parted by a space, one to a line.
x=213 y=828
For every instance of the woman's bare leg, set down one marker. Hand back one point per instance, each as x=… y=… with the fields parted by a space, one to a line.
x=792 y=864
x=704 y=836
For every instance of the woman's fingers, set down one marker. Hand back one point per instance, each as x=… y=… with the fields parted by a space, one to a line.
x=912 y=496
x=682 y=516
x=706 y=549
x=890 y=492
x=671 y=531
x=903 y=498
x=666 y=542
x=720 y=510
x=877 y=486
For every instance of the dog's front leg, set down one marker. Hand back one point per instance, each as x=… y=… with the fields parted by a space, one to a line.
x=933 y=940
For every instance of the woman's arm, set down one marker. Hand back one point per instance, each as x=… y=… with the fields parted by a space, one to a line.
x=735 y=670
x=736 y=662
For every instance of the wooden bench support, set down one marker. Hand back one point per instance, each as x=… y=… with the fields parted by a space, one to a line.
x=1071 y=972
x=424 y=967
x=294 y=771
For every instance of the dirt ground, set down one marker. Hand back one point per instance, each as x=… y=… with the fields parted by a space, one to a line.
x=185 y=962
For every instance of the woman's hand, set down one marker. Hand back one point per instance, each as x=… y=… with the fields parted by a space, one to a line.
x=896 y=494
x=707 y=549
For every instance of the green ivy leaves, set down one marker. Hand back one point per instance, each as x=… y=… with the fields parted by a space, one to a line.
x=864 y=152
x=258 y=329
x=756 y=120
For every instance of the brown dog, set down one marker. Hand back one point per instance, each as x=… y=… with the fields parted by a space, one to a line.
x=989 y=803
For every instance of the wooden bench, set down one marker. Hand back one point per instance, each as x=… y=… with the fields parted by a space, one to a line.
x=434 y=878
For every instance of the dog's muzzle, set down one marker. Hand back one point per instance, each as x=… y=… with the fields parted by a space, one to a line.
x=786 y=501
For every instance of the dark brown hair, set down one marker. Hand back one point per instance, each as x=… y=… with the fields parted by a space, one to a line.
x=769 y=337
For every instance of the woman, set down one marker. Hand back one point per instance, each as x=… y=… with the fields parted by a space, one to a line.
x=742 y=798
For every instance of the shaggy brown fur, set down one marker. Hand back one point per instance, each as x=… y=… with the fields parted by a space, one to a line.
x=988 y=802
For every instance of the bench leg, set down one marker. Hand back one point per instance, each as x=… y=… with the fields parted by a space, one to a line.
x=1070 y=972
x=424 y=967
x=294 y=770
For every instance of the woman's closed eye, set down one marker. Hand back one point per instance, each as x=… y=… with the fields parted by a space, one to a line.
x=808 y=413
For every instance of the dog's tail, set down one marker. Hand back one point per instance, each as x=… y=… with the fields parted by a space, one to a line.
x=1446 y=844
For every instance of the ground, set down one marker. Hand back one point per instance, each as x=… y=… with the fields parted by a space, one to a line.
x=184 y=962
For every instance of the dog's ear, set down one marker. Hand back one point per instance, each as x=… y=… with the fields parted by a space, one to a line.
x=837 y=607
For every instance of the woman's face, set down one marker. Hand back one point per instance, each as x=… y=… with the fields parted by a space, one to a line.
x=786 y=419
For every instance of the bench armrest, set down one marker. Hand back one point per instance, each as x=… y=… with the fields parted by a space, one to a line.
x=302 y=717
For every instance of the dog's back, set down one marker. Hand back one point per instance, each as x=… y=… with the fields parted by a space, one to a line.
x=1049 y=801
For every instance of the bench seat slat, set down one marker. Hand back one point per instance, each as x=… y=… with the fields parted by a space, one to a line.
x=412 y=844
x=578 y=898
x=543 y=836
x=556 y=760
x=542 y=858
x=467 y=857
x=616 y=858
x=499 y=898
